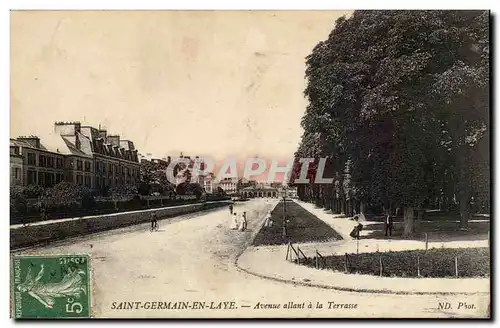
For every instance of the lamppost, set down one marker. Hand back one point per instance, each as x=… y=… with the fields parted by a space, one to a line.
x=284 y=213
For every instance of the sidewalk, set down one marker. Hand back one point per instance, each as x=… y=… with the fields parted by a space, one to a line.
x=269 y=262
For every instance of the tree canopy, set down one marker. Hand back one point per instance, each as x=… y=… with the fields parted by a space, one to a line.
x=399 y=102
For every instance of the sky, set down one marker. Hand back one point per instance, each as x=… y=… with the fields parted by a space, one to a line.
x=217 y=83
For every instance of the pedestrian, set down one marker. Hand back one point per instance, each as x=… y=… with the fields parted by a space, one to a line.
x=235 y=221
x=231 y=209
x=389 y=223
x=268 y=222
x=244 y=223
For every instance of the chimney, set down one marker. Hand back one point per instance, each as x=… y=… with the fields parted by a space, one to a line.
x=33 y=141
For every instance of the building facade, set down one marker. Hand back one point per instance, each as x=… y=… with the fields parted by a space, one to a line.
x=40 y=165
x=229 y=185
x=16 y=166
x=80 y=154
x=112 y=161
x=259 y=191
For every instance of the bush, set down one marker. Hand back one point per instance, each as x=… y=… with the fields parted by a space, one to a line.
x=33 y=191
x=436 y=262
x=18 y=201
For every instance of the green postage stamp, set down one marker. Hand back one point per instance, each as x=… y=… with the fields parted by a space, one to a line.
x=52 y=286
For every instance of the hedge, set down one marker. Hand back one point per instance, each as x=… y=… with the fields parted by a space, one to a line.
x=435 y=263
x=102 y=207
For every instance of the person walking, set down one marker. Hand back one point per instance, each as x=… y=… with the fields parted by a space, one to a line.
x=244 y=223
x=154 y=222
x=268 y=222
x=389 y=223
x=235 y=221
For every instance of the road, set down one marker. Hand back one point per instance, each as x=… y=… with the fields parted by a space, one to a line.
x=191 y=259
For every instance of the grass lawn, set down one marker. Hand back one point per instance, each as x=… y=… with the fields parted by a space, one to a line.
x=435 y=262
x=302 y=227
x=438 y=230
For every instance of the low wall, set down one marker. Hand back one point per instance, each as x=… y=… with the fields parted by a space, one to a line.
x=24 y=236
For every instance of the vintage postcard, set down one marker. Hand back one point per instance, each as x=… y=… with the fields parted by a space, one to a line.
x=250 y=164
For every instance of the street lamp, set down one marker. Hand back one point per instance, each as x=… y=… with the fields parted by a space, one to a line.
x=284 y=213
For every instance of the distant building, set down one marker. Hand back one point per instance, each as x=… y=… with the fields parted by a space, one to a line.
x=260 y=190
x=229 y=185
x=209 y=183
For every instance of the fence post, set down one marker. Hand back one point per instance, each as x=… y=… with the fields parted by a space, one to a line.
x=287 y=251
x=426 y=241
x=357 y=245
x=456 y=266
x=418 y=265
x=381 y=266
x=298 y=255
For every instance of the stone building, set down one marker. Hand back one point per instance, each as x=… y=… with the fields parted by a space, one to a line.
x=16 y=166
x=229 y=185
x=113 y=161
x=80 y=154
x=259 y=191
x=41 y=165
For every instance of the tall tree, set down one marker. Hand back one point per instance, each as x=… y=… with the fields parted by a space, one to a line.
x=399 y=99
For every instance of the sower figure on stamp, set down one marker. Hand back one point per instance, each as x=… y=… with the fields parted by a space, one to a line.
x=389 y=223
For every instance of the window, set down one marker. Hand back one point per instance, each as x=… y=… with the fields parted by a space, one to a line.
x=31 y=159
x=79 y=179
x=87 y=166
x=31 y=177
x=87 y=181
x=59 y=163
x=41 y=178
x=79 y=165
x=16 y=173
x=42 y=161
x=50 y=161
x=49 y=179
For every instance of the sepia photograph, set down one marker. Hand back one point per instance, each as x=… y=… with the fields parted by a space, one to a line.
x=250 y=164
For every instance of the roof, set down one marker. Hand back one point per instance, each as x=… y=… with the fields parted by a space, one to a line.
x=259 y=188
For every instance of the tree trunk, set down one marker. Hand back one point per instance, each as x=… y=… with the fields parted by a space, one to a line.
x=409 y=221
x=464 y=209
x=342 y=207
x=362 y=209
